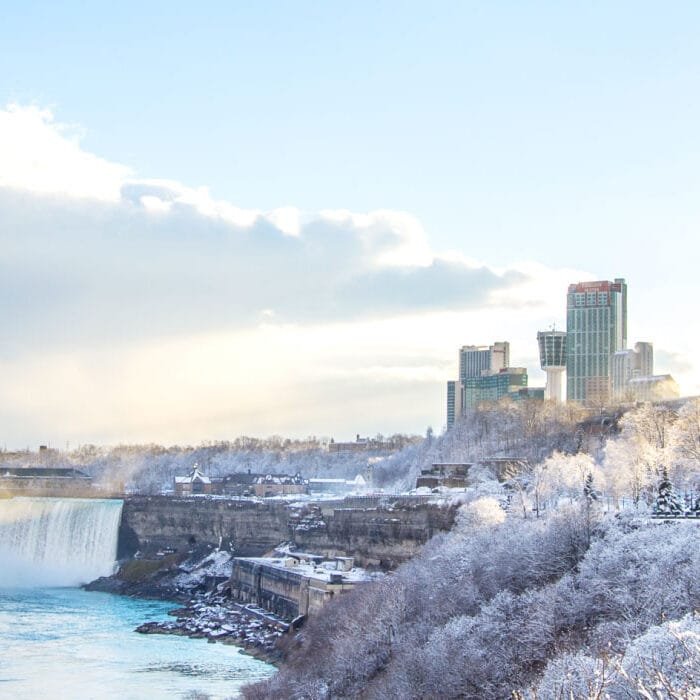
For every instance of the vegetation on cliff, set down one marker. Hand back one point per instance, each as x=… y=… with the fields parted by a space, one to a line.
x=557 y=584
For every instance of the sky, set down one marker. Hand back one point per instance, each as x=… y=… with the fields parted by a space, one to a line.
x=285 y=217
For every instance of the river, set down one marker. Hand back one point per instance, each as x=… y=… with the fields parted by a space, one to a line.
x=72 y=644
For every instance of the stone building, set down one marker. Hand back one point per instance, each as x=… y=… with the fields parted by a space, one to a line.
x=260 y=485
x=279 y=485
x=194 y=483
x=294 y=584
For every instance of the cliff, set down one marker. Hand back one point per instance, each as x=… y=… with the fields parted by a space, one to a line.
x=383 y=536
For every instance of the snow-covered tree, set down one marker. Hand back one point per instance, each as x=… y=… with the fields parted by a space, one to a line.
x=667 y=503
x=589 y=492
x=664 y=662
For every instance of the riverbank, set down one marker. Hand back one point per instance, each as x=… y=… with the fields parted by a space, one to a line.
x=215 y=617
x=199 y=584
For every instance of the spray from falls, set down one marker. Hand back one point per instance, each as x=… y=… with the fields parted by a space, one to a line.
x=57 y=541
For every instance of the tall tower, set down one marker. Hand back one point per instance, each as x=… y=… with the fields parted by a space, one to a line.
x=552 y=346
x=596 y=328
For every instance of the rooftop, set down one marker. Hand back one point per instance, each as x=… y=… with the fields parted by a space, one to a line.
x=41 y=473
x=312 y=568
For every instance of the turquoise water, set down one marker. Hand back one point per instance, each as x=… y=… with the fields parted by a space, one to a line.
x=69 y=643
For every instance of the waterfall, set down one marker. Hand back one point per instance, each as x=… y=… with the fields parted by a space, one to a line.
x=57 y=541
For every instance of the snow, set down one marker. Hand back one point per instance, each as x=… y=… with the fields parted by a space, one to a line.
x=218 y=564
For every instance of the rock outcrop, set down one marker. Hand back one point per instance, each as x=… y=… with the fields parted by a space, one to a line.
x=381 y=537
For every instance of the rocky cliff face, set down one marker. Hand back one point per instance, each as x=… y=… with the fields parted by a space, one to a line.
x=383 y=536
x=247 y=528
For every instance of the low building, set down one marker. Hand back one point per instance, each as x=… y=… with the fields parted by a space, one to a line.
x=44 y=481
x=239 y=484
x=327 y=485
x=451 y=475
x=455 y=475
x=294 y=584
x=528 y=393
x=375 y=444
x=279 y=485
x=194 y=483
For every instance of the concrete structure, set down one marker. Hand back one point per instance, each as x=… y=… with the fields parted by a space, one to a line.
x=294 y=584
x=552 y=347
x=596 y=327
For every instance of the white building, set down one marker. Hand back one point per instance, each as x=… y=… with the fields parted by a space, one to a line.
x=629 y=364
x=658 y=387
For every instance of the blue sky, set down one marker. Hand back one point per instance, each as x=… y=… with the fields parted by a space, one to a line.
x=556 y=134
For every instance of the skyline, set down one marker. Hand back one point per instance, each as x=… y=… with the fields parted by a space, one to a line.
x=202 y=238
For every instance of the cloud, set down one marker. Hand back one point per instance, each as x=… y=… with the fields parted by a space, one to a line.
x=41 y=155
x=145 y=309
x=93 y=254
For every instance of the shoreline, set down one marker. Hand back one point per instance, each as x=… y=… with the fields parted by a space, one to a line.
x=202 y=614
x=214 y=617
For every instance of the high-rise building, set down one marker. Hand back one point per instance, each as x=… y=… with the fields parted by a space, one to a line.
x=492 y=386
x=596 y=327
x=630 y=364
x=452 y=395
x=484 y=376
x=474 y=360
x=552 y=345
x=633 y=378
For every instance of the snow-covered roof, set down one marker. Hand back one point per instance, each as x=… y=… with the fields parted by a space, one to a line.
x=194 y=475
x=320 y=570
x=359 y=480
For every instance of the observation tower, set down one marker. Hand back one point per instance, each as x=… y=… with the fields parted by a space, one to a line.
x=552 y=346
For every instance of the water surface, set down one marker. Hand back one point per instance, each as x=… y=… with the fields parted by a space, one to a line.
x=70 y=643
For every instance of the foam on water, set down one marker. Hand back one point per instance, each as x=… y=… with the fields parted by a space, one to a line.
x=57 y=541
